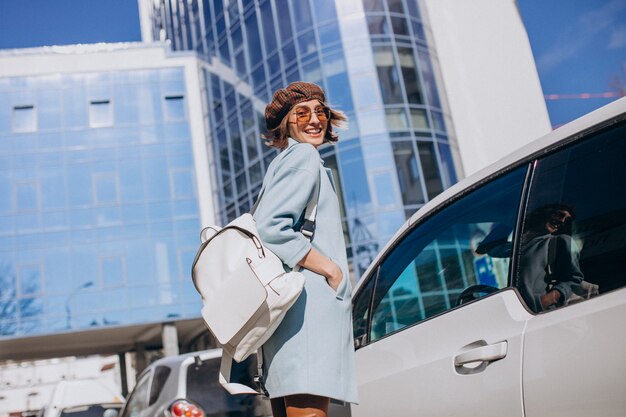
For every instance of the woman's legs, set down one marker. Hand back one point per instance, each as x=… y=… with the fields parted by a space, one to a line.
x=300 y=405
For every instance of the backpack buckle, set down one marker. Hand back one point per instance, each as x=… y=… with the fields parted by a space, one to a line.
x=308 y=228
x=258 y=379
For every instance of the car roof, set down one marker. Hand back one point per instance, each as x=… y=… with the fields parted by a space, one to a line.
x=176 y=361
x=564 y=134
x=103 y=405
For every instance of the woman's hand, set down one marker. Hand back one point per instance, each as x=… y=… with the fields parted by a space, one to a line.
x=320 y=264
x=550 y=299
x=335 y=276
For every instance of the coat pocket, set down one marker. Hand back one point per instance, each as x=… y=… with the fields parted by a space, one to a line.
x=340 y=292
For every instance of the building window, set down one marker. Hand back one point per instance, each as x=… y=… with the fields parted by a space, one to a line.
x=409 y=74
x=174 y=108
x=100 y=113
x=182 y=183
x=419 y=119
x=29 y=279
x=378 y=25
x=112 y=271
x=430 y=168
x=408 y=173
x=185 y=258
x=24 y=119
x=384 y=189
x=396 y=119
x=106 y=189
x=388 y=76
x=26 y=195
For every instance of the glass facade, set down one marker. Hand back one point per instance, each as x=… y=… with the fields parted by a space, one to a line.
x=99 y=211
x=397 y=153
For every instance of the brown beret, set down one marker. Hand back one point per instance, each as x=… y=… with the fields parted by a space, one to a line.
x=285 y=98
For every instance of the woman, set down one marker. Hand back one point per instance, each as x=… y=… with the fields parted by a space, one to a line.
x=546 y=224
x=310 y=357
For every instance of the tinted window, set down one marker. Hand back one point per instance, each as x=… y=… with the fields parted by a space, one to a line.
x=204 y=389
x=158 y=382
x=138 y=400
x=459 y=254
x=577 y=206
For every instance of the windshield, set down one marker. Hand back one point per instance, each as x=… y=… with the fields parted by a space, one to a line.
x=96 y=410
x=203 y=388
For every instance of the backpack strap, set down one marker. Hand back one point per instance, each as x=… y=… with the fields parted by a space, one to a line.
x=258 y=378
x=224 y=377
x=308 y=227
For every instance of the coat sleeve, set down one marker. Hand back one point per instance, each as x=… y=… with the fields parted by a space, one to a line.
x=567 y=266
x=284 y=200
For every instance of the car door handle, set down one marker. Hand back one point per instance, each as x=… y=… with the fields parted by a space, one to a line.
x=488 y=353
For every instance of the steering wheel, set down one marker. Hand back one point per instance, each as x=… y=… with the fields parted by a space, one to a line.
x=474 y=293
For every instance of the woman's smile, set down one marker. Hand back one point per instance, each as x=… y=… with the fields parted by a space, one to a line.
x=312 y=130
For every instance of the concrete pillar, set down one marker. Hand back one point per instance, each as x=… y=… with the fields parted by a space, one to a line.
x=170 y=340
x=123 y=378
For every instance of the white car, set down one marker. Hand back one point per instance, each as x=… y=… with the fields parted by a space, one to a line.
x=83 y=398
x=505 y=295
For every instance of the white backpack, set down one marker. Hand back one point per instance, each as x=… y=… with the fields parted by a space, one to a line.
x=245 y=289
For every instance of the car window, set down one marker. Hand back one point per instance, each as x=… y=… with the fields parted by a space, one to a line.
x=138 y=400
x=457 y=255
x=204 y=389
x=158 y=382
x=572 y=243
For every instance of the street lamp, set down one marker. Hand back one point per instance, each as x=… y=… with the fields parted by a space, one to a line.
x=69 y=298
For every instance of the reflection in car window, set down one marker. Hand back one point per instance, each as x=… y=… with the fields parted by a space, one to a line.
x=459 y=254
x=158 y=382
x=573 y=233
x=138 y=400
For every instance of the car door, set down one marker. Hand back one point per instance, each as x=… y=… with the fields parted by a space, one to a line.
x=438 y=329
x=574 y=353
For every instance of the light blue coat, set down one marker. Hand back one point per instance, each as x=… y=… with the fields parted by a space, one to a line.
x=312 y=350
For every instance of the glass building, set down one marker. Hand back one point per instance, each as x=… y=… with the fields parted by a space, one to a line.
x=375 y=62
x=99 y=202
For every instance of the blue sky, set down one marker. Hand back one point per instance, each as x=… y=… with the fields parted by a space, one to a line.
x=29 y=23
x=579 y=45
